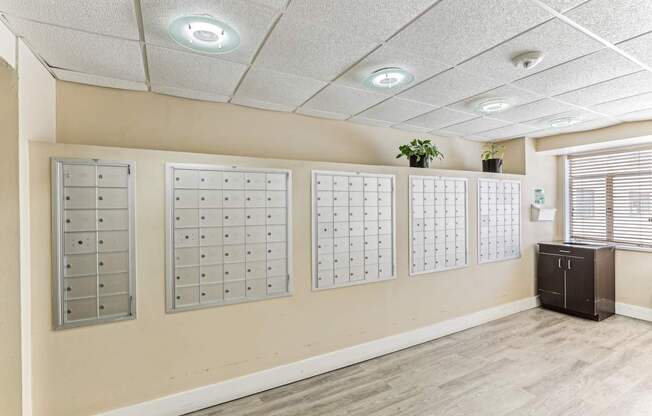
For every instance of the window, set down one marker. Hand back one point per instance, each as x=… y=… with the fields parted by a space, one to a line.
x=610 y=198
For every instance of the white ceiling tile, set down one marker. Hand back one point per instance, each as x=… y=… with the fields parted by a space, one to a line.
x=82 y=51
x=262 y=104
x=421 y=68
x=531 y=111
x=453 y=31
x=563 y=5
x=515 y=96
x=582 y=116
x=82 y=78
x=370 y=122
x=298 y=47
x=396 y=110
x=558 y=41
x=640 y=48
x=275 y=4
x=446 y=133
x=194 y=95
x=597 y=67
x=277 y=87
x=625 y=105
x=615 y=20
x=589 y=125
x=373 y=19
x=641 y=115
x=251 y=21
x=507 y=132
x=342 y=100
x=193 y=72
x=411 y=128
x=321 y=114
x=616 y=88
x=476 y=125
x=439 y=118
x=115 y=17
x=449 y=87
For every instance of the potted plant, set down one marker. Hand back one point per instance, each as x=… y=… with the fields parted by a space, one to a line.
x=420 y=153
x=492 y=158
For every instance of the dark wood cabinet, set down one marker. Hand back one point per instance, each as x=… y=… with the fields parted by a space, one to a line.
x=577 y=279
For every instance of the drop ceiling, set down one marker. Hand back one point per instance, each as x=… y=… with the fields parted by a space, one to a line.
x=311 y=57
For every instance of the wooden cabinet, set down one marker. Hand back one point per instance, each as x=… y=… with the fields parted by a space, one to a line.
x=577 y=279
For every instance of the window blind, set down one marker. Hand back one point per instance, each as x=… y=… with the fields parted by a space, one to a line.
x=610 y=198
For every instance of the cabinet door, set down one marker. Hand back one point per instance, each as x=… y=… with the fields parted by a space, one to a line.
x=579 y=285
x=550 y=280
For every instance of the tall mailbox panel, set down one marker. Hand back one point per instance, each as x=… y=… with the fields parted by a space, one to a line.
x=353 y=228
x=93 y=242
x=228 y=235
x=438 y=223
x=499 y=220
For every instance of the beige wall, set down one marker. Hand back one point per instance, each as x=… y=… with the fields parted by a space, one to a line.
x=624 y=134
x=103 y=116
x=86 y=370
x=10 y=379
x=159 y=354
x=514 y=158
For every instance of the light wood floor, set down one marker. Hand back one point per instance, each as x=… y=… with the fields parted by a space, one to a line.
x=534 y=363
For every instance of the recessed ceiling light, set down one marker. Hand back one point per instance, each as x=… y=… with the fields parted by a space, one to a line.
x=492 y=105
x=563 y=122
x=388 y=78
x=204 y=34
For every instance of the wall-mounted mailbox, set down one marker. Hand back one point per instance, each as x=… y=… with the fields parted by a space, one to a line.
x=541 y=213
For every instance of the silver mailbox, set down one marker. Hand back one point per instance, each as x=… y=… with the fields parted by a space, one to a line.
x=94 y=278
x=228 y=235
x=499 y=220
x=438 y=223
x=353 y=217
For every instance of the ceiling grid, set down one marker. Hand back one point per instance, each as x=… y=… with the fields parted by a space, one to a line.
x=311 y=58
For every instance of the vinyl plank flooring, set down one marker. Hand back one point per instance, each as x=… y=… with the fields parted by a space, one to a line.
x=535 y=363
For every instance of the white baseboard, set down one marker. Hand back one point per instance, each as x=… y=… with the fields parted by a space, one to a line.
x=634 y=311
x=211 y=395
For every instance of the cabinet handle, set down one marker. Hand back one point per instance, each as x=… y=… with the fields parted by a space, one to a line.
x=569 y=264
x=559 y=262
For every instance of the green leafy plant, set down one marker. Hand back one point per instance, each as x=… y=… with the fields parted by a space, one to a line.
x=421 y=149
x=493 y=151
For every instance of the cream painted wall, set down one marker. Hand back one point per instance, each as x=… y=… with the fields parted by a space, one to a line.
x=514 y=158
x=10 y=363
x=624 y=134
x=109 y=117
x=86 y=370
x=37 y=98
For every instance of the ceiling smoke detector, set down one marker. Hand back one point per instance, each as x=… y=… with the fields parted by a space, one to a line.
x=527 y=60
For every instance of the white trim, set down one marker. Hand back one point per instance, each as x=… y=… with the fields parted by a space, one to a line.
x=211 y=395
x=633 y=311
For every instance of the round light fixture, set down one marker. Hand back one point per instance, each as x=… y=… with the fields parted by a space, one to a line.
x=563 y=122
x=388 y=78
x=204 y=34
x=492 y=105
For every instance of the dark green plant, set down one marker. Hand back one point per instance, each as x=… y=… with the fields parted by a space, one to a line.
x=422 y=149
x=493 y=151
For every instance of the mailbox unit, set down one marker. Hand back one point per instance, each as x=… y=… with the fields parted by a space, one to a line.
x=93 y=254
x=438 y=223
x=353 y=228
x=499 y=220
x=228 y=235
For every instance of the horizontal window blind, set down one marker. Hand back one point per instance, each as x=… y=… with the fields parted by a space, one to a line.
x=610 y=198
